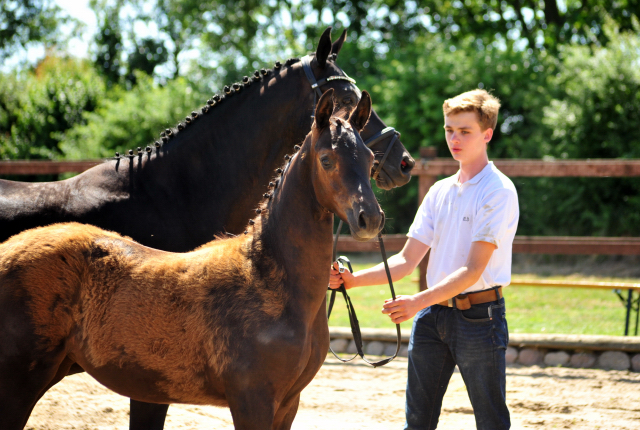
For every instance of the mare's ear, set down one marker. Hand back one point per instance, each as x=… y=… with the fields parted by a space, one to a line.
x=360 y=114
x=324 y=47
x=324 y=110
x=337 y=45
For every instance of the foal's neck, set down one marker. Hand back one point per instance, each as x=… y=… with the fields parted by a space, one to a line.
x=296 y=231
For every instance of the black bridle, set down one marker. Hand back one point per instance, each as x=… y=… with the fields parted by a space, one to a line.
x=315 y=85
x=353 y=320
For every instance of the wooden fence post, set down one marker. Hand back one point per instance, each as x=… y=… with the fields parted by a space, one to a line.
x=425 y=182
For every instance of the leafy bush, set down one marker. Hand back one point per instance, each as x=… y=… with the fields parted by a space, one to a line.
x=128 y=119
x=595 y=116
x=37 y=106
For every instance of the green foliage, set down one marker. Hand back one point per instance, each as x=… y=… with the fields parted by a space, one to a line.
x=27 y=21
x=130 y=119
x=410 y=85
x=108 y=42
x=37 y=107
x=596 y=115
x=147 y=54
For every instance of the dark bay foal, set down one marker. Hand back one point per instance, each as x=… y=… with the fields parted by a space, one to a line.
x=239 y=322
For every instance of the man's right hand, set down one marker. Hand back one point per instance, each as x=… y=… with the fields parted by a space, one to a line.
x=336 y=278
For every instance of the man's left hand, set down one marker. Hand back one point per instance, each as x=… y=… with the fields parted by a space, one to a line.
x=401 y=309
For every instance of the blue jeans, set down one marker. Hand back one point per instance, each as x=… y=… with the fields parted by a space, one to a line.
x=476 y=340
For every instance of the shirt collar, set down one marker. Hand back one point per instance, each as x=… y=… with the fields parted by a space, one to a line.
x=478 y=177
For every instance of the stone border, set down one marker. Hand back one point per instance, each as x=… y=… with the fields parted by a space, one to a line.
x=584 y=351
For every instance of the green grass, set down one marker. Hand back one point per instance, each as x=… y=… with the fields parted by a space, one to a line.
x=529 y=309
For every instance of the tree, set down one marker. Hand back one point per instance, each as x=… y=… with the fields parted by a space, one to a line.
x=26 y=22
x=37 y=107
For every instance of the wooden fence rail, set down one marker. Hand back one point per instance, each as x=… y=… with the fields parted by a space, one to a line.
x=45 y=167
x=428 y=169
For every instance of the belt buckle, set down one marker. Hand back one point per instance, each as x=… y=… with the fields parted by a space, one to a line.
x=450 y=302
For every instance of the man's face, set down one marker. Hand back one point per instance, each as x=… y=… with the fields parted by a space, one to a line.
x=467 y=142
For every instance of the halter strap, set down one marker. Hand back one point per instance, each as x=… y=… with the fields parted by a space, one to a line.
x=315 y=85
x=375 y=139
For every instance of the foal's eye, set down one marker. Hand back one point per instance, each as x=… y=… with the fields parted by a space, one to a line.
x=346 y=101
x=326 y=162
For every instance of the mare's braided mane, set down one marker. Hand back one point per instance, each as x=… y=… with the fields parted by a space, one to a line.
x=228 y=91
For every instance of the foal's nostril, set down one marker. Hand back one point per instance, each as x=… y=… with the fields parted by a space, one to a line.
x=362 y=222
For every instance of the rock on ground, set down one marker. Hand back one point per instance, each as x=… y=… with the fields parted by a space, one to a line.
x=559 y=358
x=614 y=360
x=530 y=356
x=583 y=359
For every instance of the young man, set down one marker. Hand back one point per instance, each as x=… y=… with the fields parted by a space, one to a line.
x=468 y=221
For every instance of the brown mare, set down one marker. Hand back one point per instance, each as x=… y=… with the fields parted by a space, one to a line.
x=239 y=322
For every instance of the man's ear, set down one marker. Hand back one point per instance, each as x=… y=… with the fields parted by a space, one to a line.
x=324 y=110
x=324 y=47
x=488 y=134
x=361 y=113
x=337 y=45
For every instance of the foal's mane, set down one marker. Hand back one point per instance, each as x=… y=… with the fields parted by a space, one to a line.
x=264 y=207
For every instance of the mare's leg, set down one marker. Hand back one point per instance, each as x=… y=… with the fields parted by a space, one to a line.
x=147 y=416
x=252 y=408
x=286 y=413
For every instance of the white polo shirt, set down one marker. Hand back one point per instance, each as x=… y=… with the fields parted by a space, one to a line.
x=452 y=215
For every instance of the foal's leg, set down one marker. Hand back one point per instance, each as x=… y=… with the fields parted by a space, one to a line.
x=286 y=413
x=22 y=383
x=147 y=416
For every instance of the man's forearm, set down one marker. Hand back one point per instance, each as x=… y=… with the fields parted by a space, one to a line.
x=449 y=287
x=398 y=266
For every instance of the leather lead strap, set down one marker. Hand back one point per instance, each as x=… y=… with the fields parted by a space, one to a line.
x=353 y=319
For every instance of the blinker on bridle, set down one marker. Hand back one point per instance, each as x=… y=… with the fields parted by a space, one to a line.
x=315 y=85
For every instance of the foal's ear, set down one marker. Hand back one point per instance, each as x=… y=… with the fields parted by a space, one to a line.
x=324 y=47
x=324 y=109
x=360 y=114
x=337 y=45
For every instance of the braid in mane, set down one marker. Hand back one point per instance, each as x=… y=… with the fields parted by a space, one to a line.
x=263 y=208
x=228 y=91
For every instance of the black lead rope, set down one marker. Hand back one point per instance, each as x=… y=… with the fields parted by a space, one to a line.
x=353 y=319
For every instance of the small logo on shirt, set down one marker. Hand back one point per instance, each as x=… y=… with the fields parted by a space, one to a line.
x=466 y=218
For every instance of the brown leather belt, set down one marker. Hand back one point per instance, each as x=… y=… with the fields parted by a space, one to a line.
x=464 y=301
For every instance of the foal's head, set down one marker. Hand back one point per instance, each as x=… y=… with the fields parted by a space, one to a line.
x=341 y=164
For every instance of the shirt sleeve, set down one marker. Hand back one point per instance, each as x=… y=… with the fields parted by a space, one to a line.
x=497 y=218
x=422 y=227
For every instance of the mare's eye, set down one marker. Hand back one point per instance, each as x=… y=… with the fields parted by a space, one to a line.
x=326 y=162
x=346 y=101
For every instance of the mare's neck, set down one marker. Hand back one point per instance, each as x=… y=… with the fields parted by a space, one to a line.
x=296 y=232
x=216 y=169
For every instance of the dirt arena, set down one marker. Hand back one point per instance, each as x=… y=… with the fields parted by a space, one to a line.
x=357 y=397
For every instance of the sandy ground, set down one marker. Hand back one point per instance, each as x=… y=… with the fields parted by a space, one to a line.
x=358 y=397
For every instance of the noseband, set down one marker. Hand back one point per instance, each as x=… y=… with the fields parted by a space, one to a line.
x=315 y=85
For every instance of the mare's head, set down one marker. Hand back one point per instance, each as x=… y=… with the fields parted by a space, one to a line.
x=384 y=141
x=341 y=164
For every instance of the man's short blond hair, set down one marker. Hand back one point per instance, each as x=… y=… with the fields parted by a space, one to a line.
x=479 y=101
